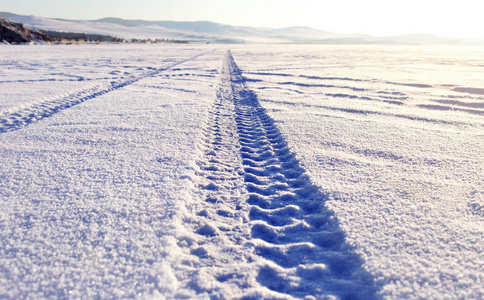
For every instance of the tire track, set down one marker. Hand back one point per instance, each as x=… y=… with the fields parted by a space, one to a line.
x=291 y=226
x=276 y=221
x=24 y=116
x=219 y=219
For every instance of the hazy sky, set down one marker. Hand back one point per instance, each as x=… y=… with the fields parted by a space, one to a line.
x=462 y=18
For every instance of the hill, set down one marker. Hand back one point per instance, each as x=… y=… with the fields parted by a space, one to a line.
x=12 y=32
x=206 y=31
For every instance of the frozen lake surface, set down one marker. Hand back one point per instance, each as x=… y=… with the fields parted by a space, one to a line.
x=351 y=172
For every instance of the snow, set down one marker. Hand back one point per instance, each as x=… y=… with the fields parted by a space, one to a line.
x=148 y=171
x=89 y=193
x=200 y=31
x=405 y=174
x=93 y=27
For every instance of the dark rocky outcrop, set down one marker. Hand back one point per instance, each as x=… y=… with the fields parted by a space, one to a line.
x=12 y=32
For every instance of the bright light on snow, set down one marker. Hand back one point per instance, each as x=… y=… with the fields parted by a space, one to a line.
x=461 y=18
x=148 y=171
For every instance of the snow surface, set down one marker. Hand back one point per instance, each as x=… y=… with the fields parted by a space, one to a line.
x=147 y=171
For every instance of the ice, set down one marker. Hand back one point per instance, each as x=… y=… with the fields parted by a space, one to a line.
x=186 y=171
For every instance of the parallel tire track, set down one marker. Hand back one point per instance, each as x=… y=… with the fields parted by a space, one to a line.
x=24 y=116
x=221 y=222
x=296 y=244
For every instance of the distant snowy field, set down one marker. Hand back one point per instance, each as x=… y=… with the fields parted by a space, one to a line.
x=160 y=171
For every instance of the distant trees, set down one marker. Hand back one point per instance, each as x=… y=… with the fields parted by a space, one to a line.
x=156 y=41
x=77 y=36
x=88 y=37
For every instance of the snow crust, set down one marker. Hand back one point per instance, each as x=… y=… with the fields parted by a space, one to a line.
x=394 y=135
x=324 y=172
x=90 y=195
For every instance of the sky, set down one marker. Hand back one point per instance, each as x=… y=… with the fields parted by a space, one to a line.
x=461 y=18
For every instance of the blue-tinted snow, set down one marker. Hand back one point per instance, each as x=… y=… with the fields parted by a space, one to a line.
x=90 y=194
x=290 y=171
x=405 y=174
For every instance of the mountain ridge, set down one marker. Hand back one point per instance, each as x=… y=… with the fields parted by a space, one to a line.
x=15 y=33
x=208 y=31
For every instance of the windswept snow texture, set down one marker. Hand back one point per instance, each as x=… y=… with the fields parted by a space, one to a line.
x=272 y=236
x=395 y=136
x=281 y=172
x=90 y=195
